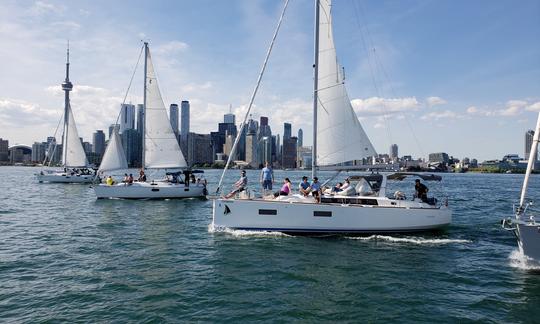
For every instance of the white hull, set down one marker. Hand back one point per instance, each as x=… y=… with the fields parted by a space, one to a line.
x=529 y=240
x=150 y=190
x=306 y=217
x=64 y=178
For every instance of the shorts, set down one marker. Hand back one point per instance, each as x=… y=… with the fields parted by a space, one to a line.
x=315 y=193
x=267 y=184
x=237 y=190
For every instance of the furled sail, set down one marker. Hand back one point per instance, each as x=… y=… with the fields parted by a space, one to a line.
x=340 y=137
x=161 y=146
x=73 y=152
x=114 y=157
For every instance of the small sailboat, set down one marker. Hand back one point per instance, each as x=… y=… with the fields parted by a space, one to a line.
x=160 y=151
x=338 y=138
x=74 y=161
x=523 y=224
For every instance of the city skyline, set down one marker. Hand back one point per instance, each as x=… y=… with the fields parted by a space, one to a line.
x=471 y=85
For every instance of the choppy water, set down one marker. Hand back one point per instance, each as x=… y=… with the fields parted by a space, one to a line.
x=64 y=256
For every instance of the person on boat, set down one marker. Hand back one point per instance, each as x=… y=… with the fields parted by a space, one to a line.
x=192 y=178
x=267 y=178
x=130 y=179
x=346 y=184
x=304 y=187
x=285 y=189
x=338 y=187
x=126 y=178
x=421 y=190
x=239 y=185
x=142 y=176
x=316 y=189
x=109 y=181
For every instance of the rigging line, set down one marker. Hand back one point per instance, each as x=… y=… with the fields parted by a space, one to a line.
x=389 y=80
x=372 y=72
x=54 y=146
x=259 y=79
x=130 y=82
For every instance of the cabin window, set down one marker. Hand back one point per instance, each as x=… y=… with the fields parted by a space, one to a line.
x=267 y=212
x=321 y=213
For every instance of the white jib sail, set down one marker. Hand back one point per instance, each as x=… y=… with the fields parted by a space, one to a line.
x=161 y=146
x=340 y=137
x=114 y=157
x=73 y=152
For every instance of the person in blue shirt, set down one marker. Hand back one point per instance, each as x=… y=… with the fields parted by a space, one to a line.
x=267 y=178
x=304 y=187
x=316 y=189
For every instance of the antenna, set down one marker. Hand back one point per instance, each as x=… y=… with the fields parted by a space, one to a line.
x=230 y=108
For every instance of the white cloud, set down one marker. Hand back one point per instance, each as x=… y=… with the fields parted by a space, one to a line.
x=381 y=106
x=42 y=8
x=193 y=87
x=534 y=107
x=172 y=47
x=436 y=115
x=435 y=101
x=23 y=113
x=513 y=108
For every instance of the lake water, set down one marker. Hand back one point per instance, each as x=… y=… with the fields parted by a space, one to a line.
x=65 y=256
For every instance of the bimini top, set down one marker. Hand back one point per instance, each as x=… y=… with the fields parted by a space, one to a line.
x=402 y=175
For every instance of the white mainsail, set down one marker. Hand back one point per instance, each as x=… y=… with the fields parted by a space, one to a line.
x=114 y=157
x=73 y=152
x=340 y=137
x=161 y=149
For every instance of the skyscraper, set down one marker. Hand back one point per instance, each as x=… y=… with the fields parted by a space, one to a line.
x=4 y=150
x=264 y=129
x=173 y=117
x=528 y=142
x=98 y=142
x=229 y=118
x=394 y=151
x=184 y=129
x=111 y=127
x=286 y=132
x=127 y=117
x=289 y=152
x=300 y=137
x=140 y=116
x=131 y=142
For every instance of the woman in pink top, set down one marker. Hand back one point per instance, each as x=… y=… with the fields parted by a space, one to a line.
x=285 y=189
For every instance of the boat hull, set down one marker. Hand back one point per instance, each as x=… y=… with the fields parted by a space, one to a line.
x=529 y=240
x=150 y=190
x=287 y=217
x=64 y=178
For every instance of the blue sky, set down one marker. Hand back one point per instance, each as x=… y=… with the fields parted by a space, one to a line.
x=454 y=76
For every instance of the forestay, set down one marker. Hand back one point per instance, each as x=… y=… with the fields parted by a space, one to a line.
x=340 y=137
x=161 y=146
x=114 y=157
x=73 y=152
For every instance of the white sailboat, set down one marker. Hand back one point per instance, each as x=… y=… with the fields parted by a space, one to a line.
x=74 y=158
x=524 y=224
x=160 y=151
x=338 y=138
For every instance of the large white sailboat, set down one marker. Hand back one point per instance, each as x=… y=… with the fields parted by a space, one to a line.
x=160 y=151
x=338 y=138
x=74 y=161
x=524 y=224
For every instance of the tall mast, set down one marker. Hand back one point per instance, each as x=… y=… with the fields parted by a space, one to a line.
x=67 y=87
x=315 y=87
x=530 y=165
x=144 y=102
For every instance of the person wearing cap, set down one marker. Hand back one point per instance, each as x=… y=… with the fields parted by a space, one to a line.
x=239 y=185
x=421 y=190
x=316 y=189
x=304 y=187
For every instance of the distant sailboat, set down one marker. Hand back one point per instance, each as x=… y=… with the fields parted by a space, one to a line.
x=160 y=151
x=338 y=138
x=74 y=158
x=524 y=224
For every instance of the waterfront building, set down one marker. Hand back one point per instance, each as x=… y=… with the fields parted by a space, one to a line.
x=4 y=150
x=289 y=153
x=113 y=126
x=394 y=151
x=98 y=141
x=131 y=143
x=140 y=118
x=528 y=142
x=229 y=118
x=300 y=137
x=264 y=150
x=251 y=150
x=20 y=153
x=440 y=157
x=87 y=147
x=304 y=157
x=184 y=129
x=173 y=117
x=227 y=147
x=199 y=149
x=38 y=152
x=264 y=128
x=286 y=131
x=127 y=117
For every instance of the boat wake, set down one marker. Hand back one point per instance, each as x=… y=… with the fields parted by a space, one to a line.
x=244 y=233
x=411 y=240
x=520 y=261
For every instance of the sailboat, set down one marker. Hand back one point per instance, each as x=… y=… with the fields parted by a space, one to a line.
x=74 y=158
x=160 y=151
x=524 y=224
x=338 y=138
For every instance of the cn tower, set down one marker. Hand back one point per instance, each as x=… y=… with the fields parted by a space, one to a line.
x=67 y=86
